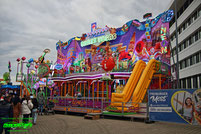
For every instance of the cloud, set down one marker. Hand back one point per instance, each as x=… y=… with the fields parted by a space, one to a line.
x=30 y=26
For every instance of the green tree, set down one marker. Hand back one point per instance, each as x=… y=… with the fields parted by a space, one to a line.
x=6 y=76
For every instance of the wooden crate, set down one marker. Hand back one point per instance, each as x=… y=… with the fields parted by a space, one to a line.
x=92 y=117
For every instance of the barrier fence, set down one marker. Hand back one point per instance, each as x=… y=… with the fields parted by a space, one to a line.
x=101 y=104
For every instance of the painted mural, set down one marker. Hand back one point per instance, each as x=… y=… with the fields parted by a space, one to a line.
x=117 y=49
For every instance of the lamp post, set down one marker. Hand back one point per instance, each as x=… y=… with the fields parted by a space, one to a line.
x=9 y=69
x=177 y=69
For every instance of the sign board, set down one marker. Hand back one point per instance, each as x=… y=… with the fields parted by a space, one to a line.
x=58 y=66
x=175 y=105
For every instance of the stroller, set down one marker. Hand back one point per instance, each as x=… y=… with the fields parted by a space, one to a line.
x=49 y=108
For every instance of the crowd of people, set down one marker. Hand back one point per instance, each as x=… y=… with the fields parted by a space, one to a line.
x=12 y=107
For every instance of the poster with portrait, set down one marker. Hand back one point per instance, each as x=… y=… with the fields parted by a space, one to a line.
x=173 y=105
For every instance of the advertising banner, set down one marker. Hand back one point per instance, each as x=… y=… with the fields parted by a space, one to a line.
x=175 y=105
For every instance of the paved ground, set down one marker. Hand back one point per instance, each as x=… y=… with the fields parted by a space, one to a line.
x=71 y=124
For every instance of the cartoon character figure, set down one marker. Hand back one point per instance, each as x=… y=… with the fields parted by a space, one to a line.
x=108 y=64
x=139 y=47
x=124 y=55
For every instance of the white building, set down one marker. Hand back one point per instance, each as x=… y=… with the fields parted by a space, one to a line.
x=189 y=42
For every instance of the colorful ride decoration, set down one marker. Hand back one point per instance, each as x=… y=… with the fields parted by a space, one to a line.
x=133 y=41
x=43 y=70
x=82 y=61
x=35 y=69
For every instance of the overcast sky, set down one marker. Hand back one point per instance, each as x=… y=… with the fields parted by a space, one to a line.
x=27 y=27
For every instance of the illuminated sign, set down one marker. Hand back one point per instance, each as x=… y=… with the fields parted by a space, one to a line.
x=99 y=39
x=163 y=38
x=147 y=15
x=58 y=66
x=163 y=33
x=93 y=26
x=97 y=32
x=136 y=23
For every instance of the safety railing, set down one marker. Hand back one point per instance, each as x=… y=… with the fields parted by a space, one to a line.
x=99 y=103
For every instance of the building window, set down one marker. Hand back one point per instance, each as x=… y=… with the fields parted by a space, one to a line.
x=191 y=60
x=199 y=12
x=189 y=21
x=200 y=80
x=200 y=58
x=195 y=82
x=197 y=58
x=172 y=68
x=184 y=44
x=187 y=62
x=196 y=36
x=171 y=38
x=189 y=41
x=184 y=83
x=189 y=82
x=192 y=39
x=174 y=51
x=180 y=30
x=184 y=26
x=195 y=15
x=183 y=64
x=200 y=34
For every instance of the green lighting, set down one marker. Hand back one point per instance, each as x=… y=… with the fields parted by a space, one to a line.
x=99 y=39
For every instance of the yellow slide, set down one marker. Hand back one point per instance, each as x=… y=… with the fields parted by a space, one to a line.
x=144 y=82
x=126 y=95
x=137 y=85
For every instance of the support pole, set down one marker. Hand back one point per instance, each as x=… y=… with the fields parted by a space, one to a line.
x=107 y=89
x=21 y=89
x=97 y=90
x=80 y=88
x=65 y=89
x=61 y=89
x=72 y=89
x=178 y=84
x=84 y=90
x=88 y=89
x=160 y=81
x=102 y=90
x=93 y=91
x=46 y=92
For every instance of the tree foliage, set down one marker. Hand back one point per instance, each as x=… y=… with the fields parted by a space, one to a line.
x=6 y=76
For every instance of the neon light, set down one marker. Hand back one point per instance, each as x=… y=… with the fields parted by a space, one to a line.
x=164 y=49
x=99 y=39
x=17 y=125
x=146 y=25
x=163 y=33
x=97 y=32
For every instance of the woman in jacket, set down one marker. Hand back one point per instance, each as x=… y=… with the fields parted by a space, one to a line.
x=27 y=105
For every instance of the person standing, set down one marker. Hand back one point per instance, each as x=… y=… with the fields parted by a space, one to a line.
x=27 y=105
x=6 y=113
x=16 y=109
x=35 y=109
x=41 y=102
